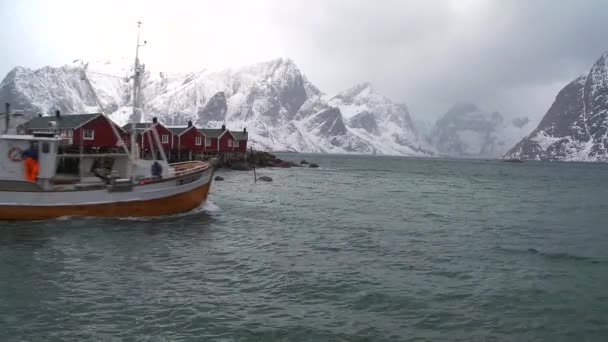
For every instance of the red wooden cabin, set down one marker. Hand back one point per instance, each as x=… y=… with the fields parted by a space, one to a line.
x=224 y=140
x=145 y=136
x=188 y=139
x=211 y=139
x=241 y=138
x=88 y=130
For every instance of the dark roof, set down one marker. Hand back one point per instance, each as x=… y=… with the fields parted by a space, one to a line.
x=216 y=132
x=62 y=122
x=179 y=130
x=239 y=135
x=211 y=132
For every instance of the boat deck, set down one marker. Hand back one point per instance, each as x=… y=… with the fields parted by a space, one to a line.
x=70 y=182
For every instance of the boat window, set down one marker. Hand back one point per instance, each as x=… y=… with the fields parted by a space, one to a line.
x=68 y=166
x=45 y=147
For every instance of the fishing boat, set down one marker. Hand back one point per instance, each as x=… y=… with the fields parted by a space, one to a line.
x=34 y=184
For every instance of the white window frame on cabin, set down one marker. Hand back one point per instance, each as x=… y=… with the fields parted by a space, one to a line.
x=70 y=133
x=207 y=141
x=198 y=141
x=229 y=142
x=86 y=136
x=235 y=143
x=164 y=139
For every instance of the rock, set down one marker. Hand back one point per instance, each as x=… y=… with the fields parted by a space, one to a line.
x=313 y=165
x=219 y=178
x=265 y=179
x=304 y=162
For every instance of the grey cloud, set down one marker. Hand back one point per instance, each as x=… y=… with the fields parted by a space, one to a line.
x=502 y=54
x=506 y=55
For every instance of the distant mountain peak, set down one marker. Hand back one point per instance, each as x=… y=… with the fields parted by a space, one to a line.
x=363 y=86
x=360 y=90
x=465 y=130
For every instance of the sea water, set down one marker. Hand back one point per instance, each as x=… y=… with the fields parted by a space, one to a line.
x=361 y=249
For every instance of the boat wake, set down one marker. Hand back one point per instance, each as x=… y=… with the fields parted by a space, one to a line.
x=205 y=208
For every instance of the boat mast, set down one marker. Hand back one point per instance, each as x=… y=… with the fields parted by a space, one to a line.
x=136 y=92
x=137 y=112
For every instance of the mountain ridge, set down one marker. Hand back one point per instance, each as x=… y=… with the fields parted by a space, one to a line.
x=575 y=127
x=281 y=108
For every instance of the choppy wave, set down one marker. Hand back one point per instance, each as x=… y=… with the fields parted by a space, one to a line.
x=550 y=255
x=205 y=207
x=355 y=255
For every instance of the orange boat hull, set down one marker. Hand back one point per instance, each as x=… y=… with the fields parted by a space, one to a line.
x=174 y=204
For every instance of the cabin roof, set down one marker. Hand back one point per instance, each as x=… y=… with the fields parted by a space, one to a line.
x=211 y=132
x=239 y=135
x=179 y=130
x=62 y=122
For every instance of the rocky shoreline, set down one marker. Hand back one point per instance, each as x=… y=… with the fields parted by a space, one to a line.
x=258 y=159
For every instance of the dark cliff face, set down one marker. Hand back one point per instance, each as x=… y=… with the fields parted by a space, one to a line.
x=291 y=91
x=214 y=110
x=575 y=126
x=329 y=122
x=365 y=120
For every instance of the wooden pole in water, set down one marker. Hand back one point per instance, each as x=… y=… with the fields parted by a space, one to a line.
x=255 y=176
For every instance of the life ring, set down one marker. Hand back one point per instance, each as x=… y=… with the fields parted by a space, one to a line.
x=15 y=154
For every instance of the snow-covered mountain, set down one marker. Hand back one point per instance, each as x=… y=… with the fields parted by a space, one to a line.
x=465 y=131
x=281 y=109
x=375 y=118
x=576 y=126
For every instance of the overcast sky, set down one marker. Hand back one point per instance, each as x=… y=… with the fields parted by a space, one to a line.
x=507 y=55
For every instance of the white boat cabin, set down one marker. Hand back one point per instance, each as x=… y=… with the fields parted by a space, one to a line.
x=59 y=170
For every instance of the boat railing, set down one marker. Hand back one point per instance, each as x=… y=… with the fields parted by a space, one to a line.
x=183 y=168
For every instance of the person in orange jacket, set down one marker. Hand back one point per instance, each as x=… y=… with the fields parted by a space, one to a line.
x=30 y=163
